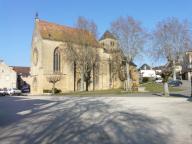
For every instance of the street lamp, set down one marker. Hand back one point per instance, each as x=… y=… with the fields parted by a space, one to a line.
x=190 y=70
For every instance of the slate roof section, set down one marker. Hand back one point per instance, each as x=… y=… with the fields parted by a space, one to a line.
x=133 y=64
x=159 y=68
x=108 y=34
x=145 y=67
x=56 y=32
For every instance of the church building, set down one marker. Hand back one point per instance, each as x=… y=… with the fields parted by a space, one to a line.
x=48 y=42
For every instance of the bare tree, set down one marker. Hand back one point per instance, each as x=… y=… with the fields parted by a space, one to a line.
x=56 y=77
x=115 y=63
x=171 y=39
x=84 y=55
x=87 y=38
x=131 y=37
x=166 y=73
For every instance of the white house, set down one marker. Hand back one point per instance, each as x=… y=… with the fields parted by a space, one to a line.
x=8 y=76
x=187 y=59
x=146 y=71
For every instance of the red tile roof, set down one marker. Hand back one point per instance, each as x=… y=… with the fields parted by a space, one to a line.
x=52 y=31
x=24 y=71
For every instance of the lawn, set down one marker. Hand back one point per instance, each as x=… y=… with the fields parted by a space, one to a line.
x=98 y=92
x=149 y=87
x=158 y=87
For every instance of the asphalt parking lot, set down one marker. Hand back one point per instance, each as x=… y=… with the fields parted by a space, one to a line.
x=95 y=120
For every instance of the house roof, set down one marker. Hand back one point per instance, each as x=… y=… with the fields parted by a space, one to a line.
x=24 y=71
x=145 y=67
x=107 y=34
x=133 y=64
x=159 y=68
x=56 y=32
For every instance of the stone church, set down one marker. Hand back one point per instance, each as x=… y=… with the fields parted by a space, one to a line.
x=47 y=42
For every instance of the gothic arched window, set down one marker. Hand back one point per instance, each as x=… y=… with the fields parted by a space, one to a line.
x=56 y=60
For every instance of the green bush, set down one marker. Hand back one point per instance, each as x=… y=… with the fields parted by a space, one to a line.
x=50 y=91
x=57 y=90
x=47 y=91
x=145 y=80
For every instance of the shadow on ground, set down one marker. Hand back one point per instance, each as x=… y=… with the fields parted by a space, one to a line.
x=179 y=95
x=11 y=106
x=80 y=121
x=172 y=95
x=190 y=99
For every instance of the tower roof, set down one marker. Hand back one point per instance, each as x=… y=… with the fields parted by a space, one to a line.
x=107 y=34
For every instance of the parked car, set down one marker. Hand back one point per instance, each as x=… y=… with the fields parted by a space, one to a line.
x=175 y=83
x=158 y=76
x=25 y=89
x=13 y=91
x=158 y=80
x=5 y=91
x=2 y=92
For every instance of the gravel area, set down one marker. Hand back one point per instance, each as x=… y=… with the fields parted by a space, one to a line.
x=95 y=120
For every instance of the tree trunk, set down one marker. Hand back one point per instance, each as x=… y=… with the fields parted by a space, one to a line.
x=53 y=89
x=74 y=76
x=93 y=77
x=87 y=85
x=174 y=70
x=166 y=89
x=127 y=82
x=82 y=79
x=110 y=75
x=189 y=76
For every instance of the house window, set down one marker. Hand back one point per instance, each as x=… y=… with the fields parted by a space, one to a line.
x=56 y=60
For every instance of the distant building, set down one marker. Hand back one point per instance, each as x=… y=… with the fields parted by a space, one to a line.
x=23 y=76
x=186 y=74
x=146 y=71
x=8 y=76
x=158 y=69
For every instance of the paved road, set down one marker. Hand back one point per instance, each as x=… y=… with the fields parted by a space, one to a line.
x=186 y=86
x=95 y=120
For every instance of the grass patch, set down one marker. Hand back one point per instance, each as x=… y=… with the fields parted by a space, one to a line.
x=158 y=87
x=150 y=87
x=98 y=92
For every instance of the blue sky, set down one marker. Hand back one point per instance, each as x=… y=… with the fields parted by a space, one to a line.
x=17 y=19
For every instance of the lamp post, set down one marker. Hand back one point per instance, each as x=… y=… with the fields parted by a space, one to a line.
x=190 y=70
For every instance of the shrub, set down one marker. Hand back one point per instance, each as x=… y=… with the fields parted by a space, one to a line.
x=50 y=91
x=57 y=90
x=145 y=79
x=47 y=91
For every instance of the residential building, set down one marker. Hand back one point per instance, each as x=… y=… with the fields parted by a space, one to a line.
x=186 y=74
x=8 y=76
x=146 y=71
x=23 y=76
